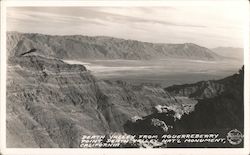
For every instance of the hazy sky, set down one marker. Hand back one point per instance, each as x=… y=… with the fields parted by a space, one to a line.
x=207 y=26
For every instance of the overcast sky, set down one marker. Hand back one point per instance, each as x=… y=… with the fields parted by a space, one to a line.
x=207 y=26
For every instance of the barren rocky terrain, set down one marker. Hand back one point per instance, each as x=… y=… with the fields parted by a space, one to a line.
x=51 y=103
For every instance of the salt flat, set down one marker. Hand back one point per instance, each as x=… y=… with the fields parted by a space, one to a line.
x=165 y=71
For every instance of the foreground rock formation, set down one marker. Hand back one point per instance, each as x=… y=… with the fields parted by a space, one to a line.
x=220 y=107
x=52 y=104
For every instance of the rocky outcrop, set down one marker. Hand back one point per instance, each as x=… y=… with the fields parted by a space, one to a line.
x=199 y=90
x=224 y=111
x=202 y=89
x=219 y=112
x=49 y=103
x=153 y=124
x=85 y=47
x=52 y=104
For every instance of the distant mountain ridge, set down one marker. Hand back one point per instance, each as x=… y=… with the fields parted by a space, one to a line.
x=230 y=52
x=101 y=47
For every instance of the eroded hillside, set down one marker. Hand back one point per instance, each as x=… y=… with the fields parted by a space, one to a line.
x=52 y=104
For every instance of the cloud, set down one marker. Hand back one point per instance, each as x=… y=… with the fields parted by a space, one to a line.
x=43 y=17
x=89 y=14
x=207 y=26
x=129 y=19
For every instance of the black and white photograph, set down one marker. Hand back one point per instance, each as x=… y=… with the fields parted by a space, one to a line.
x=126 y=76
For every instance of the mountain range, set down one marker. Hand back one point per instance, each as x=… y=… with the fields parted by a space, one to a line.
x=77 y=47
